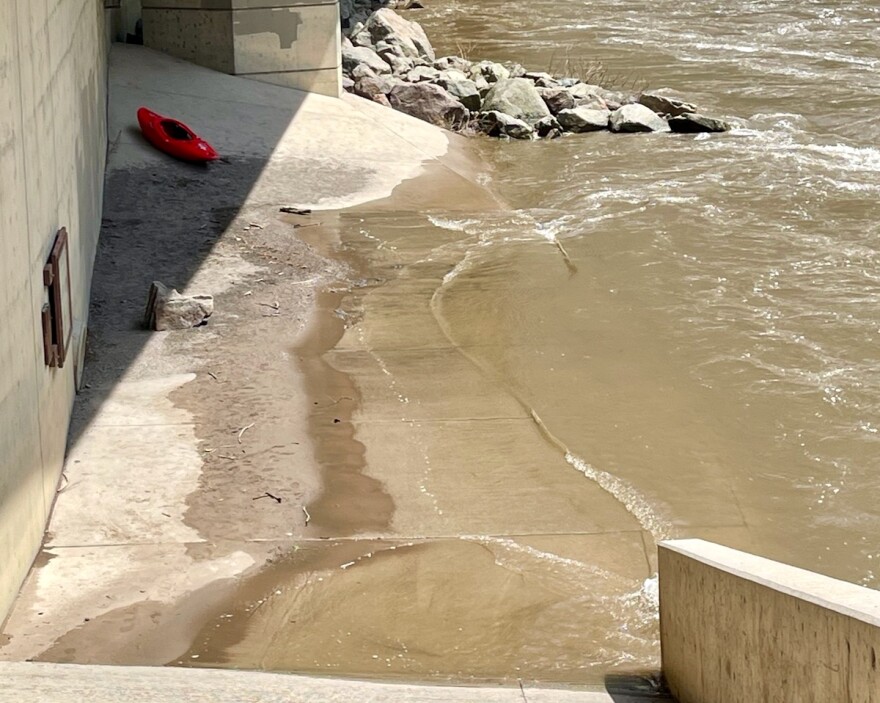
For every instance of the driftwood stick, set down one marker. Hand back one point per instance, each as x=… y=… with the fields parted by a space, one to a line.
x=243 y=430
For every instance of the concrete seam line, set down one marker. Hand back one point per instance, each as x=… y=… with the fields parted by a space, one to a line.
x=289 y=70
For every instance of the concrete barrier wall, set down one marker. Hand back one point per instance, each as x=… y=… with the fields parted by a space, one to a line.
x=295 y=43
x=53 y=77
x=736 y=628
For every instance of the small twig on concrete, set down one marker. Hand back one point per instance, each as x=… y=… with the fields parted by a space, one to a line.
x=226 y=456
x=275 y=306
x=306 y=513
x=66 y=485
x=311 y=224
x=295 y=211
x=214 y=376
x=268 y=495
x=243 y=430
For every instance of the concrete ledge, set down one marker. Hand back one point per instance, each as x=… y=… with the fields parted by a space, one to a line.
x=736 y=628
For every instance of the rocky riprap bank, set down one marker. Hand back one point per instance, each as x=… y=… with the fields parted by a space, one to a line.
x=390 y=60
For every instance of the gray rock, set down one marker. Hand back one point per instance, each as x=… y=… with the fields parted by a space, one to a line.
x=457 y=63
x=361 y=37
x=665 y=105
x=399 y=64
x=451 y=74
x=587 y=95
x=421 y=74
x=615 y=99
x=347 y=84
x=690 y=123
x=463 y=89
x=548 y=128
x=584 y=119
x=491 y=71
x=430 y=103
x=536 y=76
x=482 y=85
x=518 y=98
x=362 y=56
x=592 y=102
x=557 y=99
x=547 y=83
x=386 y=25
x=363 y=71
x=637 y=118
x=497 y=124
x=585 y=90
x=516 y=70
x=371 y=88
x=169 y=310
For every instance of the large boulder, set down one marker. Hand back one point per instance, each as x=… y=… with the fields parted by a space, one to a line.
x=557 y=99
x=584 y=119
x=497 y=124
x=386 y=25
x=637 y=118
x=690 y=123
x=518 y=98
x=355 y=56
x=491 y=71
x=586 y=95
x=665 y=104
x=372 y=87
x=428 y=102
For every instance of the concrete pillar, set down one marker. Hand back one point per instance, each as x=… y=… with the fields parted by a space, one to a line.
x=294 y=43
x=737 y=628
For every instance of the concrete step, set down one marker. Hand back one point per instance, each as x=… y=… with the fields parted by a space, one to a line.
x=69 y=683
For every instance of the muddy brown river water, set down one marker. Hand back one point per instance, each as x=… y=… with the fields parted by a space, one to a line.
x=517 y=433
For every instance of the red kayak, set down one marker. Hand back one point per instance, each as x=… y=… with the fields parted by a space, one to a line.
x=175 y=138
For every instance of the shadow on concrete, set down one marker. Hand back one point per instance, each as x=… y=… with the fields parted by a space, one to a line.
x=637 y=688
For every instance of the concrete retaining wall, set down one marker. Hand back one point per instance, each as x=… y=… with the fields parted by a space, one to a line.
x=737 y=628
x=53 y=77
x=294 y=43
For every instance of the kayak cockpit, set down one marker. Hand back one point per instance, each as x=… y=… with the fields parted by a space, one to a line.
x=175 y=130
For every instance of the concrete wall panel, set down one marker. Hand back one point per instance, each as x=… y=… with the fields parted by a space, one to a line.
x=736 y=628
x=21 y=499
x=287 y=42
x=201 y=36
x=52 y=150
